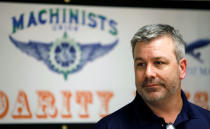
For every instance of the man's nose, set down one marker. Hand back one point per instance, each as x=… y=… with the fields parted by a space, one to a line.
x=150 y=71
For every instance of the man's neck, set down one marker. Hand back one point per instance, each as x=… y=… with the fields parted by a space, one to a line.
x=168 y=109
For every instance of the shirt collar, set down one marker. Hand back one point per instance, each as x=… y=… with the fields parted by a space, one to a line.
x=145 y=115
x=187 y=108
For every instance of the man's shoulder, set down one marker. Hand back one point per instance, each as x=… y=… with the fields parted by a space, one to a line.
x=201 y=112
x=119 y=114
x=115 y=119
x=124 y=111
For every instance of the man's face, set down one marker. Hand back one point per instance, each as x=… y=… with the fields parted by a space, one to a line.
x=157 y=72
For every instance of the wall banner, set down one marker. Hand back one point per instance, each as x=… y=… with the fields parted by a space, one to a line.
x=73 y=64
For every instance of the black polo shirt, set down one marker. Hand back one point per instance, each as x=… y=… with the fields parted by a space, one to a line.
x=137 y=115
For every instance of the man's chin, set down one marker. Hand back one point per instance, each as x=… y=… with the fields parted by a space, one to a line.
x=152 y=96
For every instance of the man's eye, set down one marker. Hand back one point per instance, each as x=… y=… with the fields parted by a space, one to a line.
x=159 y=62
x=141 y=64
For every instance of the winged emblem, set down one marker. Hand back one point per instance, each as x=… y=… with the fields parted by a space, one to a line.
x=190 y=48
x=64 y=56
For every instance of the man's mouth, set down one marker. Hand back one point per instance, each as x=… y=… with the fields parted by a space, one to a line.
x=151 y=85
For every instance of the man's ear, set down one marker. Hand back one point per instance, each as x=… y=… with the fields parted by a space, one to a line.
x=182 y=68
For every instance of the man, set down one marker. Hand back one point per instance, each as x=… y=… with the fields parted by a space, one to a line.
x=159 y=63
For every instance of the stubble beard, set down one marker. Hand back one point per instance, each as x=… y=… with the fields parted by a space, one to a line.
x=156 y=94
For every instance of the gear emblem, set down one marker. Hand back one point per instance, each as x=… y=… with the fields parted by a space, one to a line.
x=65 y=55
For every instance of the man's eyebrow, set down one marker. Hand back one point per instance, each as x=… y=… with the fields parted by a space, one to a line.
x=157 y=58
x=138 y=58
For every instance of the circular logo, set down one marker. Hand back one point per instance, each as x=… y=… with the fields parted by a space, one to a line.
x=65 y=55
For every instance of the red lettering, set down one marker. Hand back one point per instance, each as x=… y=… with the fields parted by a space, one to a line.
x=46 y=105
x=201 y=99
x=4 y=104
x=84 y=98
x=22 y=109
x=104 y=97
x=66 y=104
